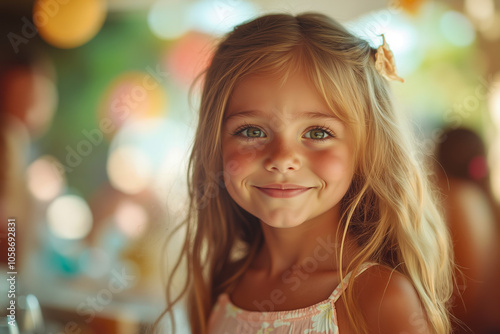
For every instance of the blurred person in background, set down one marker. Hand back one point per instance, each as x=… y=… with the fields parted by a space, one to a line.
x=473 y=218
x=26 y=110
x=16 y=98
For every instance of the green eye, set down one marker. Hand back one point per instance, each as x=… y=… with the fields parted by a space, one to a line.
x=251 y=132
x=317 y=134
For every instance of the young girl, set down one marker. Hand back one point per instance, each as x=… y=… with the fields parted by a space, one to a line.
x=309 y=210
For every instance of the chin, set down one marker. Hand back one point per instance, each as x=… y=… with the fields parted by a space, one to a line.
x=281 y=222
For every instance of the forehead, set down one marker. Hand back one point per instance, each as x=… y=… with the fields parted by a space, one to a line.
x=268 y=92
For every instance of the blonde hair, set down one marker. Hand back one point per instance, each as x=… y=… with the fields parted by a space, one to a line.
x=389 y=206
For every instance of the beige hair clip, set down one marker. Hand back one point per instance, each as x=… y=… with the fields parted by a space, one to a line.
x=385 y=63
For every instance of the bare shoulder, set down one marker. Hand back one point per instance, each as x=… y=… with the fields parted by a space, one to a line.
x=389 y=302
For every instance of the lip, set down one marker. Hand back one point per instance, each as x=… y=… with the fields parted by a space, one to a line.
x=283 y=190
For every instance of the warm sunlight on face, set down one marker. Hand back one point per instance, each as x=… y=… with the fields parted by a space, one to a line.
x=287 y=159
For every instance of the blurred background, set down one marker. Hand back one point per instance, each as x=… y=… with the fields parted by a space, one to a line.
x=96 y=121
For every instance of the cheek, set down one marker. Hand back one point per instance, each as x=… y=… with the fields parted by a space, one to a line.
x=238 y=160
x=334 y=165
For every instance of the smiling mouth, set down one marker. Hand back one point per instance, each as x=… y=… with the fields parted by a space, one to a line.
x=283 y=191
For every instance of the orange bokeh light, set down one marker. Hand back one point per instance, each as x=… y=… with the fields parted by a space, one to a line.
x=190 y=56
x=133 y=96
x=68 y=23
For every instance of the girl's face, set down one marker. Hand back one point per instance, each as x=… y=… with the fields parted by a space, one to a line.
x=287 y=159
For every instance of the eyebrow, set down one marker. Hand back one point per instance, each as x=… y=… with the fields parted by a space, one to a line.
x=305 y=114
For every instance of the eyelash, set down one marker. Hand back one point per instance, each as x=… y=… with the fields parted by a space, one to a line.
x=325 y=129
x=244 y=127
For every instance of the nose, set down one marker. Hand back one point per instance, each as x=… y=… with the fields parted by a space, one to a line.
x=283 y=157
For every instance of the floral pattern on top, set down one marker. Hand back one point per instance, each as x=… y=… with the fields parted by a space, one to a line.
x=226 y=318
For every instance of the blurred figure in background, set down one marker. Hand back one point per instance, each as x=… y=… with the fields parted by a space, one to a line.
x=16 y=99
x=27 y=104
x=15 y=88
x=472 y=215
x=26 y=109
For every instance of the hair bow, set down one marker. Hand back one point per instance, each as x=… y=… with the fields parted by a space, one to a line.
x=385 y=63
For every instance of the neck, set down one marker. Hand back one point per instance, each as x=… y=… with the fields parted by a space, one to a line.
x=312 y=245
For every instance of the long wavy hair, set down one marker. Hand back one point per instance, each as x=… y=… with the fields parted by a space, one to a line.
x=389 y=207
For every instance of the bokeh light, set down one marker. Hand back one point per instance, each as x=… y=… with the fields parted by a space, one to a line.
x=160 y=140
x=68 y=24
x=494 y=160
x=172 y=185
x=44 y=179
x=69 y=217
x=410 y=6
x=494 y=100
x=39 y=115
x=480 y=9
x=457 y=29
x=190 y=56
x=169 y=20
x=494 y=154
x=129 y=170
x=131 y=218
x=220 y=17
x=166 y=144
x=133 y=96
x=30 y=96
x=400 y=34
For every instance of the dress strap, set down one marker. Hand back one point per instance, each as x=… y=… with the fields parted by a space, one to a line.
x=345 y=282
